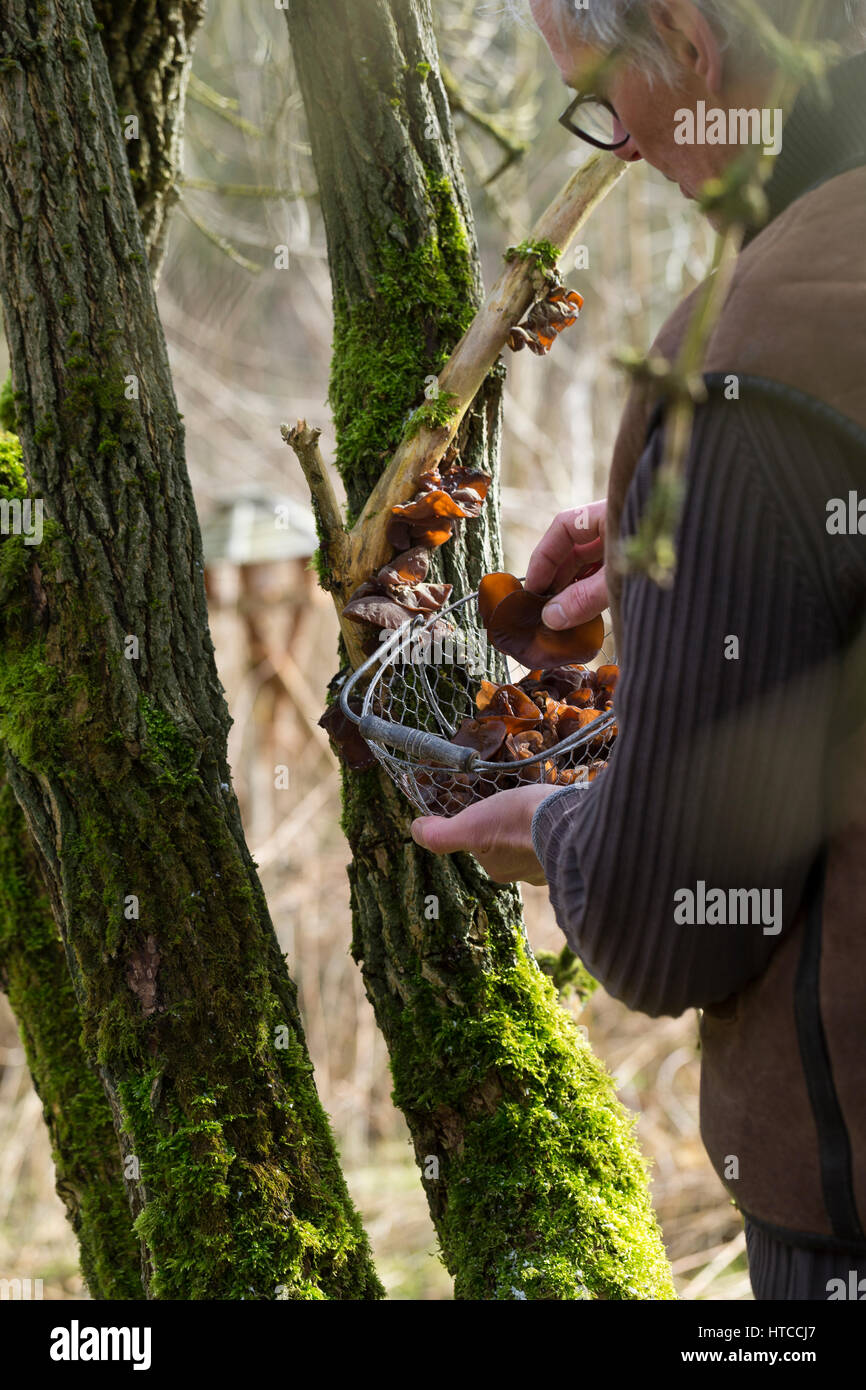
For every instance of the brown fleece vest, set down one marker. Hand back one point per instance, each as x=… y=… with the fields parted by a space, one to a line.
x=795 y=315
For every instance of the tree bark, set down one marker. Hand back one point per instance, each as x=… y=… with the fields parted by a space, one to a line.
x=148 y=44
x=34 y=974
x=115 y=726
x=530 y=1167
x=149 y=53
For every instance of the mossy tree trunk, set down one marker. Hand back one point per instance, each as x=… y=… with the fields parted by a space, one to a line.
x=148 y=44
x=148 y=47
x=531 y=1170
x=34 y=974
x=114 y=725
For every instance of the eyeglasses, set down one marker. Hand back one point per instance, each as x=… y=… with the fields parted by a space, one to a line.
x=598 y=122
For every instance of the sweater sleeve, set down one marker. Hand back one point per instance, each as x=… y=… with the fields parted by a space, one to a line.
x=677 y=872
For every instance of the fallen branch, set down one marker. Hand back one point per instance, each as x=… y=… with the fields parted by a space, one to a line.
x=464 y=373
x=352 y=556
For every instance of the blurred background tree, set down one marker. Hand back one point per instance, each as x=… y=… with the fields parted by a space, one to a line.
x=236 y=337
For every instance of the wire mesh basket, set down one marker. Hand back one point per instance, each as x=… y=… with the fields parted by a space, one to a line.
x=421 y=684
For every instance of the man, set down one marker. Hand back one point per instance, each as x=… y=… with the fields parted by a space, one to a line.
x=720 y=860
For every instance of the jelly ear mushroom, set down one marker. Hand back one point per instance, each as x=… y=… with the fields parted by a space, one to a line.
x=582 y=698
x=346 y=741
x=509 y=703
x=607 y=677
x=427 y=505
x=486 y=736
x=434 y=533
x=512 y=617
x=410 y=567
x=492 y=590
x=376 y=610
x=516 y=628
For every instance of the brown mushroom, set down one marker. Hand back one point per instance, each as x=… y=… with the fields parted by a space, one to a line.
x=514 y=626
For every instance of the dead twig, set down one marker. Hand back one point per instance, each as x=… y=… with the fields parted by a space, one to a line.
x=335 y=563
x=513 y=149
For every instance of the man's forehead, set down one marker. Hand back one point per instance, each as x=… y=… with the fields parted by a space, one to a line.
x=576 y=60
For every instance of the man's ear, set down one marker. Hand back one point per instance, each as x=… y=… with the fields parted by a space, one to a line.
x=691 y=39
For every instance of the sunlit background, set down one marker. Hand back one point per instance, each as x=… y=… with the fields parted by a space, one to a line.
x=250 y=347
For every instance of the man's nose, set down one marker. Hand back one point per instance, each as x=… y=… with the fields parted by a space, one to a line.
x=629 y=151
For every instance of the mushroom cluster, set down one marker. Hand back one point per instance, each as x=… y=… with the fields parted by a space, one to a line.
x=400 y=591
x=446 y=495
x=514 y=722
x=545 y=321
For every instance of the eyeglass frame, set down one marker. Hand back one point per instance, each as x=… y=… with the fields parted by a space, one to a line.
x=580 y=100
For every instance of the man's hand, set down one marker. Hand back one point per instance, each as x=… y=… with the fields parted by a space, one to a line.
x=573 y=540
x=497 y=831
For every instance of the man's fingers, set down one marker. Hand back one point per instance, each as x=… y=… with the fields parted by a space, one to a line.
x=578 y=603
x=557 y=546
x=578 y=562
x=443 y=835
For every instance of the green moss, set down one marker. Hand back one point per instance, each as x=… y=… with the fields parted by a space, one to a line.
x=566 y=972
x=544 y=253
x=31 y=691
x=7 y=405
x=387 y=344
x=434 y=414
x=34 y=698
x=13 y=482
x=94 y=408
x=196 y=1176
x=547 y=1164
x=423 y=70
x=34 y=972
x=174 y=757
x=44 y=431
x=319 y=565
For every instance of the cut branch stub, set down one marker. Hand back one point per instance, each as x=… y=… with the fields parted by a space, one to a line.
x=333 y=537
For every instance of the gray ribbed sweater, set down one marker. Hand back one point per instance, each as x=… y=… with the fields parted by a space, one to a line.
x=720 y=771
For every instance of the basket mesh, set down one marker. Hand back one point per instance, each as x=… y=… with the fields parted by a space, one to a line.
x=428 y=678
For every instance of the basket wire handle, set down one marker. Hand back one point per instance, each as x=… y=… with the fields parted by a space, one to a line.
x=425 y=747
x=414 y=741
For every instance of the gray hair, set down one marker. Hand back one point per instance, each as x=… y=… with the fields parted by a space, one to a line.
x=609 y=24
